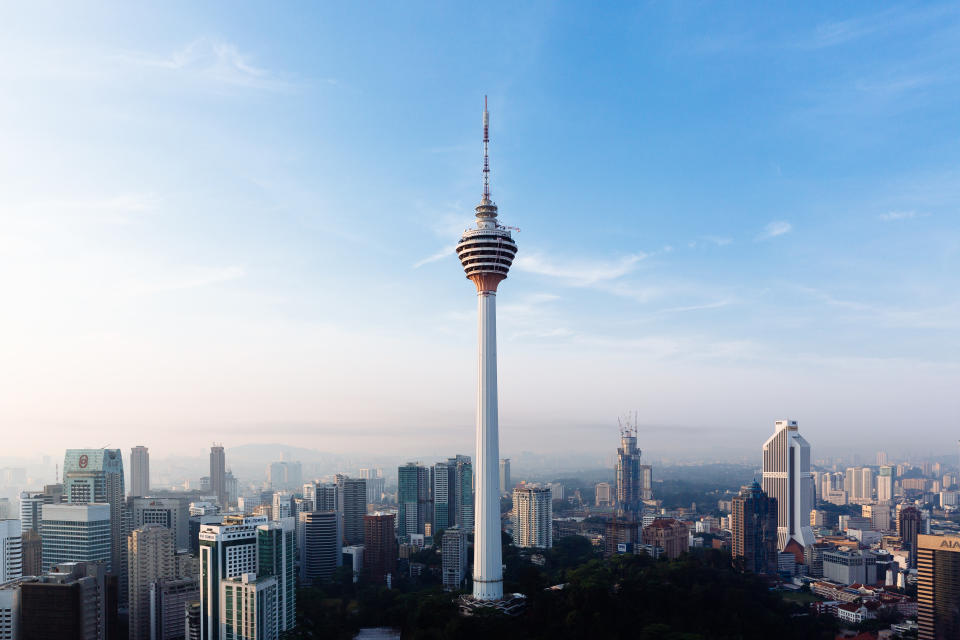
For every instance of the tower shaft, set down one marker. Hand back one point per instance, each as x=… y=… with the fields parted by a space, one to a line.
x=487 y=563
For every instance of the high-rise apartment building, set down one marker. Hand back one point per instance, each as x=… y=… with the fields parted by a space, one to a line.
x=466 y=493
x=10 y=610
x=218 y=475
x=879 y=515
x=646 y=482
x=881 y=458
x=352 y=499
x=533 y=517
x=251 y=613
x=76 y=533
x=276 y=558
x=96 y=476
x=885 y=484
x=938 y=587
x=454 y=557
x=629 y=501
x=139 y=471
x=172 y=513
x=909 y=528
x=506 y=485
x=603 y=494
x=227 y=550
x=150 y=557
x=444 y=496
x=486 y=254
x=320 y=549
x=786 y=477
x=11 y=550
x=753 y=522
x=413 y=498
x=380 y=549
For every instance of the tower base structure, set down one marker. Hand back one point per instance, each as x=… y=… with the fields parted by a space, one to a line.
x=512 y=604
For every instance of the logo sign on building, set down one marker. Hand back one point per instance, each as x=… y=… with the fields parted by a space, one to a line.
x=83 y=461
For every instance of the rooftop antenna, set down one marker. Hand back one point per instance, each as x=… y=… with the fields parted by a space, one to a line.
x=486 y=155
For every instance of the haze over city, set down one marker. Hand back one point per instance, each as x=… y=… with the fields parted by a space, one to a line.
x=237 y=224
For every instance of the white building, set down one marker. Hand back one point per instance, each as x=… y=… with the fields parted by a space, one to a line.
x=139 y=472
x=353 y=558
x=76 y=533
x=533 y=517
x=31 y=508
x=454 y=546
x=885 y=484
x=252 y=610
x=10 y=610
x=786 y=477
x=11 y=550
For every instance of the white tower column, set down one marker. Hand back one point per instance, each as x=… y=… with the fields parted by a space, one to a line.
x=487 y=558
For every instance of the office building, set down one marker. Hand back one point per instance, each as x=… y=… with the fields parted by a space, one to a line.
x=848 y=566
x=76 y=533
x=172 y=513
x=486 y=254
x=885 y=484
x=909 y=528
x=753 y=524
x=326 y=497
x=10 y=610
x=31 y=506
x=32 y=548
x=227 y=550
x=76 y=600
x=786 y=477
x=466 y=494
x=218 y=475
x=603 y=494
x=11 y=550
x=413 y=498
x=454 y=557
x=169 y=602
x=193 y=627
x=668 y=534
x=353 y=558
x=444 y=496
x=533 y=517
x=352 y=500
x=150 y=557
x=251 y=613
x=320 y=550
x=284 y=475
x=938 y=587
x=878 y=514
x=139 y=471
x=276 y=558
x=506 y=485
x=629 y=500
x=380 y=548
x=96 y=476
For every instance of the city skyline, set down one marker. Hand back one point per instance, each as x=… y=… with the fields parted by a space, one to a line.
x=212 y=250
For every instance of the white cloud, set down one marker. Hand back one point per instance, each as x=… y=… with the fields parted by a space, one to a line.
x=192 y=279
x=898 y=215
x=439 y=255
x=579 y=273
x=774 y=229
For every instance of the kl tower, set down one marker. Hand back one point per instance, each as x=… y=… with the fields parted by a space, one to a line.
x=486 y=253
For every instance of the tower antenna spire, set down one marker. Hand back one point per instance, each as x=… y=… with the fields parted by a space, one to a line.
x=486 y=155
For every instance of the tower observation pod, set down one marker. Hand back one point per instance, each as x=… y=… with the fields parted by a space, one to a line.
x=486 y=253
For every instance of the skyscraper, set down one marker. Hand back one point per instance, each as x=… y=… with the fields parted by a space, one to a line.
x=753 y=522
x=938 y=587
x=413 y=493
x=11 y=550
x=276 y=550
x=380 y=549
x=31 y=505
x=465 y=492
x=139 y=471
x=786 y=477
x=628 y=475
x=486 y=254
x=444 y=496
x=150 y=556
x=218 y=475
x=96 y=475
x=251 y=613
x=172 y=513
x=352 y=499
x=646 y=482
x=76 y=533
x=885 y=484
x=909 y=528
x=320 y=551
x=506 y=486
x=533 y=517
x=227 y=550
x=77 y=601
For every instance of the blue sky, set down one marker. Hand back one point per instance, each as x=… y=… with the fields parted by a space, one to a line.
x=235 y=223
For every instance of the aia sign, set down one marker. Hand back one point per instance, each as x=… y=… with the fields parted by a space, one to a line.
x=83 y=461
